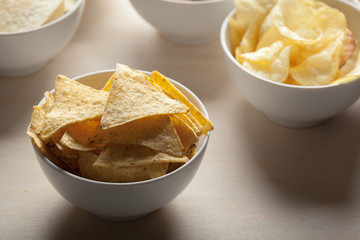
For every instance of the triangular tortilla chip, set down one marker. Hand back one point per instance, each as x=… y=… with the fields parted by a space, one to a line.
x=127 y=155
x=187 y=135
x=133 y=97
x=73 y=103
x=156 y=132
x=164 y=83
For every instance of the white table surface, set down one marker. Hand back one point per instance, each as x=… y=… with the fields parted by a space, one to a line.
x=258 y=180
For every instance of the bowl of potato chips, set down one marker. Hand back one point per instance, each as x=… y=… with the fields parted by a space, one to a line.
x=295 y=61
x=34 y=31
x=119 y=143
x=184 y=21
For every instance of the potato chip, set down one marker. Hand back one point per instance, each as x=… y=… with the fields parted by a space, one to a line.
x=321 y=68
x=269 y=62
x=127 y=155
x=73 y=103
x=164 y=83
x=156 y=132
x=133 y=97
x=246 y=24
x=307 y=45
x=351 y=70
x=22 y=15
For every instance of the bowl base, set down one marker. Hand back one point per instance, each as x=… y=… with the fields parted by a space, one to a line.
x=294 y=124
x=120 y=219
x=23 y=71
x=189 y=40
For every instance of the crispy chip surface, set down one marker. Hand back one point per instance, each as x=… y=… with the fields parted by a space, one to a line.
x=127 y=155
x=22 y=15
x=131 y=130
x=165 y=83
x=73 y=103
x=300 y=42
x=133 y=97
x=156 y=132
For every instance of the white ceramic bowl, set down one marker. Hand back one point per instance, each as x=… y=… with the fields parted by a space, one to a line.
x=289 y=105
x=185 y=22
x=123 y=201
x=26 y=52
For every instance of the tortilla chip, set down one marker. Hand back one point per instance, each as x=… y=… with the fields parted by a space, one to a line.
x=127 y=155
x=68 y=141
x=133 y=97
x=186 y=133
x=156 y=132
x=73 y=103
x=156 y=170
x=164 y=83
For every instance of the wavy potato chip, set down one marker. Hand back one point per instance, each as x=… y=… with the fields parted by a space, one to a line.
x=307 y=45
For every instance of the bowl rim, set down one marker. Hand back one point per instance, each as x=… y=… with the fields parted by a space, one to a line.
x=138 y=183
x=224 y=32
x=46 y=25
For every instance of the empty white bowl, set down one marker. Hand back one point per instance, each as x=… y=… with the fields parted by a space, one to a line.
x=123 y=201
x=185 y=22
x=26 y=52
x=290 y=105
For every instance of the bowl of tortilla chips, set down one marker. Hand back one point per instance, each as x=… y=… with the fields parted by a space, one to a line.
x=119 y=143
x=297 y=61
x=34 y=31
x=185 y=22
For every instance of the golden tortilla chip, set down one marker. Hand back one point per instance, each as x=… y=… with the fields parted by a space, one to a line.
x=164 y=83
x=68 y=152
x=118 y=174
x=191 y=151
x=68 y=141
x=127 y=155
x=156 y=170
x=86 y=160
x=133 y=97
x=147 y=132
x=73 y=103
x=82 y=132
x=186 y=133
x=109 y=83
x=156 y=132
